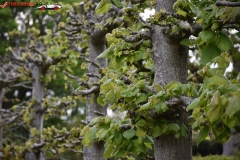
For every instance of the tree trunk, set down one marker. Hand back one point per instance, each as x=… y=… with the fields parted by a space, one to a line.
x=2 y=94
x=233 y=145
x=37 y=121
x=97 y=46
x=170 y=62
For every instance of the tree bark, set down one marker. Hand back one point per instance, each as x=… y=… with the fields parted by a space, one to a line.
x=170 y=62
x=37 y=121
x=2 y=93
x=97 y=46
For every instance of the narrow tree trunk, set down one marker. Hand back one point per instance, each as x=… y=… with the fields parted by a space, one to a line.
x=170 y=61
x=37 y=122
x=2 y=94
x=97 y=46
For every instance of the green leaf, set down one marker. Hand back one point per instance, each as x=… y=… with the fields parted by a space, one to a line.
x=103 y=135
x=106 y=53
x=84 y=130
x=207 y=36
x=173 y=126
x=86 y=140
x=129 y=92
x=185 y=42
x=214 y=113
x=233 y=106
x=140 y=132
x=215 y=101
x=117 y=3
x=100 y=100
x=203 y=134
x=157 y=131
x=141 y=98
x=110 y=151
x=120 y=152
x=224 y=42
x=216 y=80
x=209 y=52
x=146 y=106
x=216 y=110
x=107 y=85
x=181 y=12
x=161 y=107
x=230 y=122
x=129 y=133
x=103 y=7
x=118 y=138
x=171 y=85
x=194 y=104
x=92 y=133
x=148 y=145
x=183 y=130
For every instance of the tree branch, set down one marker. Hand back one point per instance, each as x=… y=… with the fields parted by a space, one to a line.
x=230 y=4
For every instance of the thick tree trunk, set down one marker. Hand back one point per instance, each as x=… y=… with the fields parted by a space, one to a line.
x=170 y=61
x=37 y=122
x=97 y=46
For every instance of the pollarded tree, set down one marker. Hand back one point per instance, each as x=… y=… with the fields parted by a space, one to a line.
x=147 y=76
x=37 y=60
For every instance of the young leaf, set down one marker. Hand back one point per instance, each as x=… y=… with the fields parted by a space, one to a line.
x=84 y=130
x=181 y=12
x=106 y=53
x=103 y=7
x=86 y=140
x=140 y=133
x=194 y=104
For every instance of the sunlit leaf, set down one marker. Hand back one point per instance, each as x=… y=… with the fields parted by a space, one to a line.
x=103 y=7
x=194 y=104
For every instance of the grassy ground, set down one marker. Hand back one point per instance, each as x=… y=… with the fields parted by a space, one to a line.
x=214 y=158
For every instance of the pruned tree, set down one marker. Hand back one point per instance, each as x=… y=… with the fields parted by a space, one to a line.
x=146 y=76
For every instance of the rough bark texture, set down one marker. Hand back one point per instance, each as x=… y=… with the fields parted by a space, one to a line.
x=37 y=122
x=97 y=46
x=170 y=61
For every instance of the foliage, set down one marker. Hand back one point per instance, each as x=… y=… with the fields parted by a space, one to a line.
x=127 y=84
